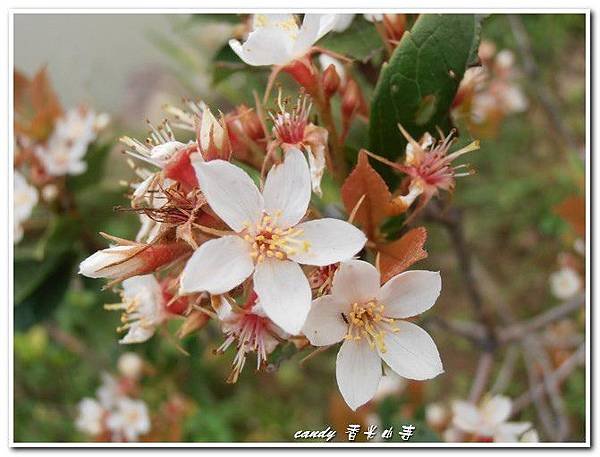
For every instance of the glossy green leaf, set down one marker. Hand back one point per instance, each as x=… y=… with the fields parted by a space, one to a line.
x=360 y=41
x=417 y=86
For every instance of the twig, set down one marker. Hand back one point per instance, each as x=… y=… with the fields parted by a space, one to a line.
x=558 y=376
x=506 y=371
x=542 y=91
x=482 y=376
x=520 y=330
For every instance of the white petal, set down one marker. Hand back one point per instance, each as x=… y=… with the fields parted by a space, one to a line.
x=342 y=22
x=314 y=26
x=510 y=432
x=287 y=189
x=466 y=416
x=331 y=241
x=355 y=281
x=284 y=293
x=358 y=371
x=410 y=293
x=265 y=46
x=217 y=266
x=230 y=192
x=325 y=324
x=530 y=436
x=496 y=410
x=137 y=334
x=411 y=352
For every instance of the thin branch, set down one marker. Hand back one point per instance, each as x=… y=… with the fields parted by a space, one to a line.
x=482 y=376
x=558 y=376
x=521 y=329
x=542 y=90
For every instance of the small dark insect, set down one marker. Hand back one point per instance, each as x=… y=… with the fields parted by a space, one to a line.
x=344 y=317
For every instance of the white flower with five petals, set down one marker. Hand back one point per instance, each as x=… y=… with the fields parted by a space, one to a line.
x=276 y=39
x=269 y=241
x=489 y=419
x=369 y=319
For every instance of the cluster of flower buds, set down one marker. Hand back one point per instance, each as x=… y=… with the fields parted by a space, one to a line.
x=488 y=93
x=244 y=247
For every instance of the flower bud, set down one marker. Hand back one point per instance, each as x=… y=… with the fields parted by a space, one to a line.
x=302 y=71
x=350 y=99
x=125 y=261
x=212 y=138
x=130 y=365
x=330 y=80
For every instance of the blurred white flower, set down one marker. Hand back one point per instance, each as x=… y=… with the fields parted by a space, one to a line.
x=129 y=420
x=579 y=246
x=49 y=192
x=565 y=283
x=436 y=415
x=109 y=391
x=530 y=436
x=269 y=241
x=25 y=198
x=390 y=384
x=276 y=39
x=489 y=419
x=342 y=22
x=130 y=365
x=369 y=319
x=90 y=416
x=65 y=150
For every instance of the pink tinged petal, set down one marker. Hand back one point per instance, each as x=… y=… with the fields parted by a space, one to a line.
x=496 y=410
x=287 y=189
x=410 y=293
x=411 y=352
x=265 y=46
x=358 y=372
x=355 y=281
x=284 y=293
x=230 y=192
x=329 y=241
x=325 y=324
x=217 y=266
x=466 y=416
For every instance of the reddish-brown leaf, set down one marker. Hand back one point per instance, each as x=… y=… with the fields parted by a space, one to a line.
x=572 y=210
x=397 y=256
x=377 y=205
x=36 y=105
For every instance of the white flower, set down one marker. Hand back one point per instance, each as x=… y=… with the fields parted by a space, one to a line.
x=90 y=416
x=489 y=420
x=251 y=330
x=565 y=283
x=276 y=39
x=269 y=239
x=373 y=17
x=369 y=318
x=143 y=308
x=129 y=420
x=64 y=152
x=530 y=436
x=25 y=198
x=436 y=415
x=109 y=391
x=130 y=365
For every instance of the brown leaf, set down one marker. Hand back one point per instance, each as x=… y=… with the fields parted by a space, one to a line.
x=36 y=105
x=572 y=210
x=398 y=255
x=377 y=205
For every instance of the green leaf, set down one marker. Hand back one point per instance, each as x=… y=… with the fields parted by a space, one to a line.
x=417 y=86
x=359 y=41
x=96 y=158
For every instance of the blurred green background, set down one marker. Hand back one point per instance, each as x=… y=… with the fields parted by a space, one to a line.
x=511 y=227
